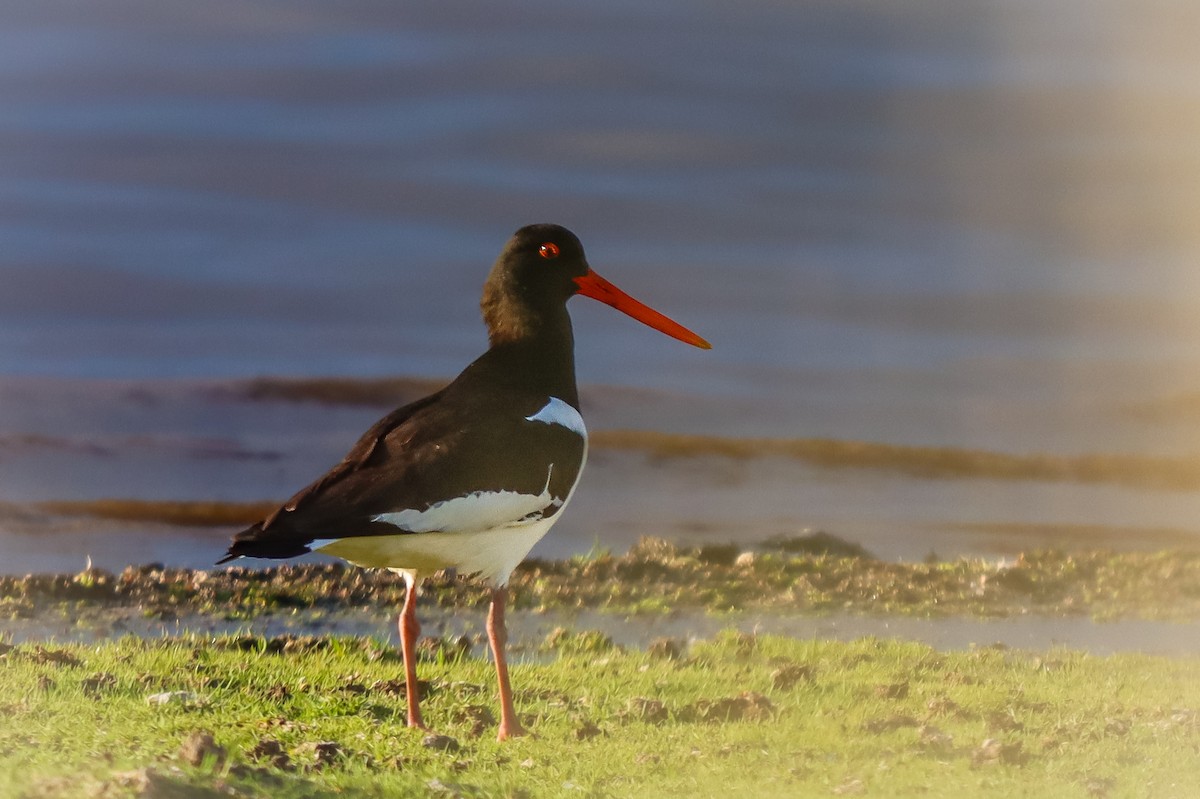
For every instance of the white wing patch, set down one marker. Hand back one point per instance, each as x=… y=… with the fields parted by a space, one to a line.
x=479 y=510
x=561 y=413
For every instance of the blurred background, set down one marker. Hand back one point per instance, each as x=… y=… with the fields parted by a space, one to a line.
x=961 y=236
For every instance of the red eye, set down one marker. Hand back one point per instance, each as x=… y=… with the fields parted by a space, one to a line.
x=548 y=250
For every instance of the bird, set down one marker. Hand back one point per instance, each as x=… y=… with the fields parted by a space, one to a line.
x=470 y=477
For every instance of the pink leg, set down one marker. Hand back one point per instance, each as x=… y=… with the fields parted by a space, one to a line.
x=498 y=637
x=410 y=629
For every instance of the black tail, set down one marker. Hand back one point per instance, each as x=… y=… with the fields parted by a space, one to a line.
x=254 y=542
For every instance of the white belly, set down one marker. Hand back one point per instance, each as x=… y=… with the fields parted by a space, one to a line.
x=493 y=554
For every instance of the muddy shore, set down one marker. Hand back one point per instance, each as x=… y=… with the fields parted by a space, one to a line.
x=803 y=587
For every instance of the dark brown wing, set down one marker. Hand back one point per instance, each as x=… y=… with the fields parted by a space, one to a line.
x=449 y=445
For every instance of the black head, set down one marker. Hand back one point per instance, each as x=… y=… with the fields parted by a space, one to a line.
x=542 y=267
x=531 y=281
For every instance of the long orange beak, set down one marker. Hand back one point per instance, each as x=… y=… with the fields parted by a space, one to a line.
x=596 y=287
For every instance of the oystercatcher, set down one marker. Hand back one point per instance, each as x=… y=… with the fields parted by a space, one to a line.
x=470 y=477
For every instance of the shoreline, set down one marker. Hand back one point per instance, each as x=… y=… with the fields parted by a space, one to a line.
x=659 y=594
x=815 y=575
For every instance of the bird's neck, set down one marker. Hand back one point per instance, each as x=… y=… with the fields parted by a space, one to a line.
x=542 y=360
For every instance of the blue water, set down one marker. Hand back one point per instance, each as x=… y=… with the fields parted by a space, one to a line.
x=191 y=167
x=968 y=224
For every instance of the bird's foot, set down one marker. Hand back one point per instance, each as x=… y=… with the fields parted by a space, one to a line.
x=512 y=729
x=416 y=720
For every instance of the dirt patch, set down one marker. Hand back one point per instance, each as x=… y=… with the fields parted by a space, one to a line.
x=746 y=706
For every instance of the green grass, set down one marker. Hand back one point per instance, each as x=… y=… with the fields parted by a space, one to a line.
x=738 y=716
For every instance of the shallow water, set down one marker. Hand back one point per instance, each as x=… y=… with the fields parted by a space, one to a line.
x=969 y=227
x=202 y=441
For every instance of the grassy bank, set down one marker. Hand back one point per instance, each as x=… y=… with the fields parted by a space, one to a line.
x=297 y=716
x=740 y=715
